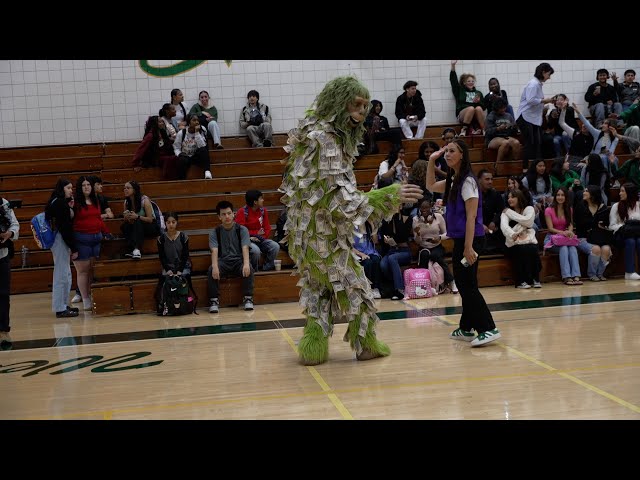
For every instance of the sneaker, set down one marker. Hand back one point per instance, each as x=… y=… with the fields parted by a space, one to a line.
x=136 y=255
x=376 y=293
x=594 y=279
x=5 y=337
x=631 y=276
x=214 y=308
x=463 y=132
x=616 y=184
x=73 y=309
x=454 y=288
x=87 y=304
x=218 y=146
x=524 y=285
x=486 y=337
x=66 y=314
x=537 y=284
x=267 y=143
x=459 y=334
x=397 y=295
x=77 y=298
x=602 y=278
x=248 y=303
x=476 y=131
x=207 y=175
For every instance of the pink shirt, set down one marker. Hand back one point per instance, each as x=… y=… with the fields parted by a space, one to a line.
x=558 y=223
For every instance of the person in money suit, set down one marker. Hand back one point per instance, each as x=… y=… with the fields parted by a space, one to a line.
x=324 y=205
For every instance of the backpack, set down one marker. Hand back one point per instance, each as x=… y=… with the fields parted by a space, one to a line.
x=156 y=212
x=417 y=283
x=255 y=115
x=437 y=276
x=175 y=298
x=43 y=233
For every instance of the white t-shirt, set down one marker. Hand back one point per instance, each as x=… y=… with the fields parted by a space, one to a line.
x=469 y=188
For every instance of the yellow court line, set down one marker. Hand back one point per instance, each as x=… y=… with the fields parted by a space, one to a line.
x=151 y=408
x=316 y=375
x=108 y=415
x=582 y=383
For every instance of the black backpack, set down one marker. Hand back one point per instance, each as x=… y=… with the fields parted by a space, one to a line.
x=175 y=298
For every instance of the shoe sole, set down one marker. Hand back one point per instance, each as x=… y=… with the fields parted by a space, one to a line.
x=462 y=338
x=487 y=340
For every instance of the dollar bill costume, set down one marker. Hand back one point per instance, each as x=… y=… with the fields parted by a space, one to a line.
x=324 y=204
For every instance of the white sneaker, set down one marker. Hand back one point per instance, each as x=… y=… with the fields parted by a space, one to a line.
x=631 y=276
x=136 y=254
x=376 y=293
x=486 y=337
x=454 y=288
x=616 y=184
x=77 y=298
x=537 y=284
x=524 y=285
x=207 y=175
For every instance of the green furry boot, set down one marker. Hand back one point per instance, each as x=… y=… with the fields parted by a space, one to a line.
x=371 y=346
x=313 y=347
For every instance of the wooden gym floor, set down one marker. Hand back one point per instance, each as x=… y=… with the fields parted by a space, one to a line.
x=565 y=353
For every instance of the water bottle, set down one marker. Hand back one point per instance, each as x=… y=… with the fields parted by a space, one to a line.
x=25 y=252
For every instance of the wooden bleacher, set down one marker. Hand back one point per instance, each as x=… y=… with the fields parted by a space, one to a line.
x=126 y=286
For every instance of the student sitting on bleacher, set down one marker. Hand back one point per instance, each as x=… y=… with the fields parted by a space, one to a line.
x=229 y=244
x=255 y=217
x=538 y=182
x=492 y=206
x=256 y=119
x=173 y=251
x=177 y=100
x=501 y=131
x=516 y=223
x=395 y=235
x=364 y=248
x=191 y=148
x=623 y=214
x=378 y=129
x=594 y=173
x=592 y=227
x=139 y=219
x=631 y=168
x=156 y=149
x=207 y=114
x=430 y=230
x=562 y=176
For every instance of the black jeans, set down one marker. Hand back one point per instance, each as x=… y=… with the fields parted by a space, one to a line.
x=475 y=313
x=200 y=158
x=532 y=141
x=231 y=269
x=5 y=291
x=372 y=270
x=526 y=262
x=136 y=232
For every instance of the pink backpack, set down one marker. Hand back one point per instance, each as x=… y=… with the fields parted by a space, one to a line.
x=417 y=283
x=437 y=276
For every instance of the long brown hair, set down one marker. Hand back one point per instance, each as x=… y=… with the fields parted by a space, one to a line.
x=630 y=203
x=454 y=186
x=566 y=209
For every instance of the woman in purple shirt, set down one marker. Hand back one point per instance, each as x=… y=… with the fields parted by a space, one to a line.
x=464 y=224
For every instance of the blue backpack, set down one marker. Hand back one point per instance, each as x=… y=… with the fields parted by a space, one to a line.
x=43 y=233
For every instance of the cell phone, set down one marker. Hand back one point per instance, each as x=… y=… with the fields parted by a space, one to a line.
x=464 y=262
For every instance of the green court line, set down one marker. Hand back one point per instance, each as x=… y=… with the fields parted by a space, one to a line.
x=300 y=322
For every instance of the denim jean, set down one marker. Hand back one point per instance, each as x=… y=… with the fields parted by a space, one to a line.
x=270 y=250
x=391 y=263
x=61 y=274
x=631 y=244
x=595 y=265
x=569 y=264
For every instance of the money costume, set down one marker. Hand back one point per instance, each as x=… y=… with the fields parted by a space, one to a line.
x=324 y=204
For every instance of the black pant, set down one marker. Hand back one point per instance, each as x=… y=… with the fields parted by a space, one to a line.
x=475 y=313
x=136 y=232
x=231 y=269
x=5 y=291
x=526 y=262
x=532 y=141
x=435 y=254
x=200 y=158
x=372 y=270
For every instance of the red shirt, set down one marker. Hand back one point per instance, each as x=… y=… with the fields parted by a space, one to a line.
x=88 y=220
x=253 y=223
